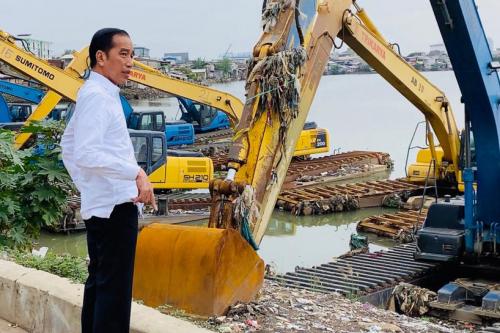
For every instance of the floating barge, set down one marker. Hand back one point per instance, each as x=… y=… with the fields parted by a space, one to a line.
x=400 y=226
x=325 y=199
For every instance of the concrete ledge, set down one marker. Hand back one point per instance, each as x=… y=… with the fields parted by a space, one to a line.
x=9 y=274
x=41 y=302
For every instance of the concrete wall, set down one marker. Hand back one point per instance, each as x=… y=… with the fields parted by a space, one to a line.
x=41 y=302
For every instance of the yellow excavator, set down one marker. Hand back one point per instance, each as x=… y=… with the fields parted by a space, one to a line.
x=312 y=140
x=435 y=163
x=179 y=170
x=205 y=270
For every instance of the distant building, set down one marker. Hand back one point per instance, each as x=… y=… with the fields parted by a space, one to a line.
x=200 y=74
x=40 y=48
x=66 y=59
x=141 y=52
x=435 y=48
x=155 y=63
x=239 y=56
x=179 y=58
x=59 y=63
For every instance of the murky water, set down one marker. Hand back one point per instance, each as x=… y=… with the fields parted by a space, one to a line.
x=289 y=241
x=362 y=112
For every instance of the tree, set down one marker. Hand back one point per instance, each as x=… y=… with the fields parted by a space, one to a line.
x=199 y=63
x=34 y=185
x=188 y=72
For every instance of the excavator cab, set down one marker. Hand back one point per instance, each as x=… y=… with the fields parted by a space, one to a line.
x=147 y=120
x=203 y=117
x=20 y=111
x=185 y=171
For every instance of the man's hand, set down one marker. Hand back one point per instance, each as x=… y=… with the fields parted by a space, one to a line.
x=146 y=193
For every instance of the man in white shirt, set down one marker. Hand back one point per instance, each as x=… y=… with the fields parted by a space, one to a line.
x=98 y=154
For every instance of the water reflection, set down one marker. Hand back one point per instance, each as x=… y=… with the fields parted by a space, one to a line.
x=74 y=244
x=312 y=240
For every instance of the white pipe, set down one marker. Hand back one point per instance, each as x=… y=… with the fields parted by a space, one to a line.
x=230 y=174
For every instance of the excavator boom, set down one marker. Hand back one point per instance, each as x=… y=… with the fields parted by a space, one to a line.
x=364 y=38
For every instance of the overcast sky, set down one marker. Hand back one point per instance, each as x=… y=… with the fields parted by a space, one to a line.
x=207 y=28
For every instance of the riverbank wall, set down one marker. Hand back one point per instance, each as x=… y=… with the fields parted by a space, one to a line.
x=41 y=302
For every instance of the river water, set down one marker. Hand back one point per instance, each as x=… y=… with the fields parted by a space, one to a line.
x=362 y=112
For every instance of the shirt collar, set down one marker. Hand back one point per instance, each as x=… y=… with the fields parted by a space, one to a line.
x=109 y=86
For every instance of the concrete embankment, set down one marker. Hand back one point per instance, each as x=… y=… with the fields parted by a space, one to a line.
x=41 y=302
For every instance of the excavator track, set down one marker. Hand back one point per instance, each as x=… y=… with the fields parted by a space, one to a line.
x=188 y=201
x=202 y=138
x=317 y=165
x=361 y=274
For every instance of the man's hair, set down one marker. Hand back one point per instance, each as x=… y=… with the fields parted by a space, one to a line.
x=103 y=41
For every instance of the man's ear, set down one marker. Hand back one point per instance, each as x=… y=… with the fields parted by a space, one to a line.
x=100 y=57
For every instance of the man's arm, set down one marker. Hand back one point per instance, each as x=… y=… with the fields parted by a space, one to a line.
x=89 y=151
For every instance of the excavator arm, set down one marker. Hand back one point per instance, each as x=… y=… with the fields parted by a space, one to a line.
x=205 y=270
x=364 y=38
x=61 y=83
x=153 y=78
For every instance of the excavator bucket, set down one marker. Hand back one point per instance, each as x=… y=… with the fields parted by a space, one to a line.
x=200 y=270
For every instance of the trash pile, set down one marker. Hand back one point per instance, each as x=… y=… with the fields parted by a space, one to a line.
x=344 y=170
x=411 y=300
x=280 y=309
x=337 y=203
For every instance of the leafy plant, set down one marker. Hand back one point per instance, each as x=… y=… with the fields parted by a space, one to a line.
x=34 y=185
x=73 y=268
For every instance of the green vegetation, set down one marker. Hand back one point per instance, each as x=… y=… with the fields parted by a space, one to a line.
x=186 y=71
x=34 y=185
x=199 y=63
x=225 y=66
x=73 y=268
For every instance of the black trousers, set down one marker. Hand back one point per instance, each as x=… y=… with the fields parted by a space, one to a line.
x=108 y=291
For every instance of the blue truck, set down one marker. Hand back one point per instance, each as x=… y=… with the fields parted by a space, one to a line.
x=177 y=132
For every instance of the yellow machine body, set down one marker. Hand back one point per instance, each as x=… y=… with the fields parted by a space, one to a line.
x=423 y=169
x=312 y=141
x=183 y=173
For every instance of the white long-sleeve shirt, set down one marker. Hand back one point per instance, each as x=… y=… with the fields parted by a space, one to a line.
x=97 y=150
